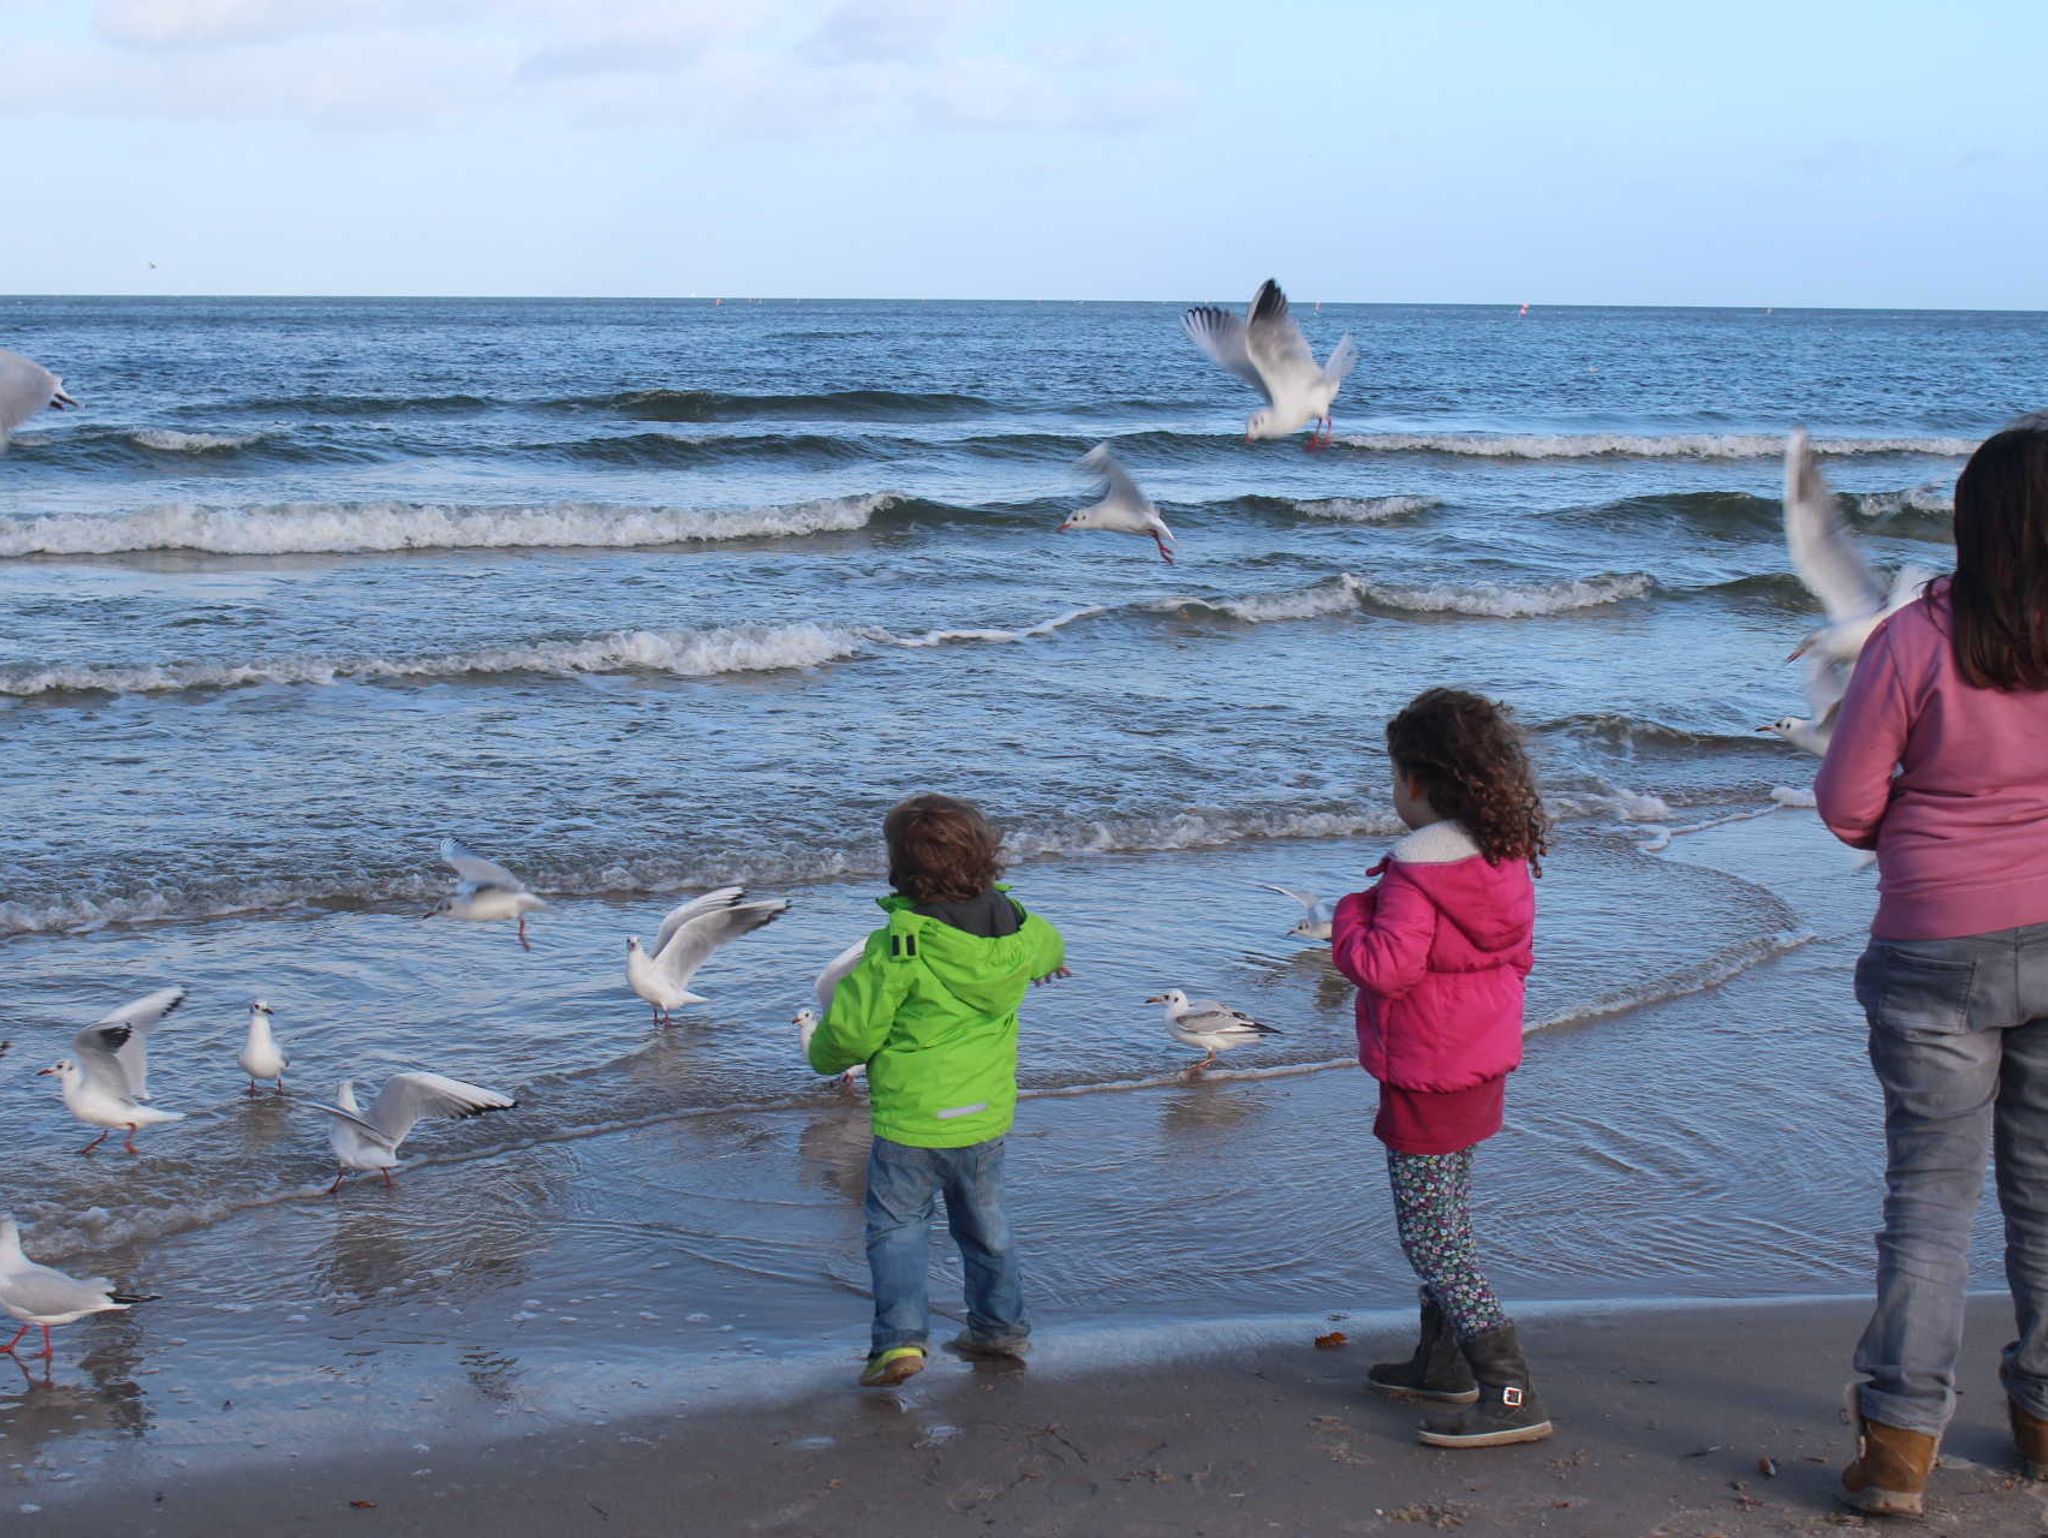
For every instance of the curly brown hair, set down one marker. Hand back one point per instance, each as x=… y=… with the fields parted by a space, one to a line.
x=941 y=849
x=1466 y=756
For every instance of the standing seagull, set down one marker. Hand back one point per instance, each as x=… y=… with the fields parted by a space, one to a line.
x=1268 y=352
x=261 y=1057
x=370 y=1141
x=44 y=1296
x=1317 y=917
x=1124 y=509
x=1207 y=1024
x=142 y=1016
x=685 y=942
x=26 y=387
x=96 y=1086
x=1854 y=599
x=486 y=891
x=806 y=1020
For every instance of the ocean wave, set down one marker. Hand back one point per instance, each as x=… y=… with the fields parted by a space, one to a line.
x=369 y=405
x=1634 y=732
x=1709 y=972
x=1365 y=509
x=833 y=405
x=1641 y=446
x=316 y=528
x=669 y=450
x=1348 y=592
x=166 y=440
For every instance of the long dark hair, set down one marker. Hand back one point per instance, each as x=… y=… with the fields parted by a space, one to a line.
x=1466 y=755
x=2000 y=592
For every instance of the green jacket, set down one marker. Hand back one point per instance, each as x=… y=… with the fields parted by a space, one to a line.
x=932 y=1011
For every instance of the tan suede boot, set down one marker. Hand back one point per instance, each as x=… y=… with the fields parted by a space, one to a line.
x=2030 y=1436
x=1890 y=1472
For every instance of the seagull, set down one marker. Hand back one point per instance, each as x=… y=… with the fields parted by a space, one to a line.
x=1317 y=915
x=96 y=1086
x=1852 y=596
x=261 y=1057
x=1207 y=1024
x=806 y=1020
x=685 y=942
x=485 y=890
x=370 y=1141
x=1269 y=353
x=141 y=1016
x=26 y=387
x=1124 y=509
x=44 y=1296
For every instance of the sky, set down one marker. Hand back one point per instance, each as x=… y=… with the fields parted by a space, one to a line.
x=1806 y=152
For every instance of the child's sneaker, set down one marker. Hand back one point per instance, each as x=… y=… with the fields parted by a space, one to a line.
x=975 y=1348
x=886 y=1369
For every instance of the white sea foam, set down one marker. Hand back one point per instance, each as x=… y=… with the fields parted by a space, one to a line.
x=1347 y=591
x=1641 y=446
x=996 y=636
x=316 y=528
x=1365 y=509
x=1935 y=497
x=167 y=440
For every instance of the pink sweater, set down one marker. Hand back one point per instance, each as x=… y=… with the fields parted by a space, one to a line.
x=1961 y=833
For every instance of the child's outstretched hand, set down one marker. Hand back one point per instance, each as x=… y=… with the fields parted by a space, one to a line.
x=1052 y=977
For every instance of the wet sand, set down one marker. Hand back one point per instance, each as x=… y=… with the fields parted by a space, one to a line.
x=1679 y=1422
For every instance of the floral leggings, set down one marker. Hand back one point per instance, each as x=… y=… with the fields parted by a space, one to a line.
x=1433 y=1212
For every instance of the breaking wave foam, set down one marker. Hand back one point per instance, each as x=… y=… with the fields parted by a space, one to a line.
x=362 y=527
x=167 y=440
x=1365 y=509
x=1493 y=600
x=1641 y=446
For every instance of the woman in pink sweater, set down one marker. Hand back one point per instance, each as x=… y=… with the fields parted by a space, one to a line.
x=1439 y=950
x=1940 y=763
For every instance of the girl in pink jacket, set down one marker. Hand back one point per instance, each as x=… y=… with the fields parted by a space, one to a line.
x=1439 y=950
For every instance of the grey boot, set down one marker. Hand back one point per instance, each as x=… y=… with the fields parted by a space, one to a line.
x=1436 y=1372
x=1508 y=1409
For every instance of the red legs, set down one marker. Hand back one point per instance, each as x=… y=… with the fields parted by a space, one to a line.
x=49 y=1347
x=89 y=1147
x=252 y=1089
x=1323 y=436
x=280 y=1085
x=9 y=1347
x=523 y=941
x=338 y=1179
x=388 y=1181
x=1165 y=554
x=1195 y=1070
x=130 y=1144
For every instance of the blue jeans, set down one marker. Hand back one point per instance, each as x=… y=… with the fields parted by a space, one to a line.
x=1959 y=1040
x=903 y=1189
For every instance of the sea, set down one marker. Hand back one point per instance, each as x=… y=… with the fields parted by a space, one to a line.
x=639 y=597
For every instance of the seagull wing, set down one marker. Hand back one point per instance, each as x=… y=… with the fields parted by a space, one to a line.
x=1117 y=483
x=97 y=1050
x=475 y=869
x=693 y=944
x=48 y=1293
x=1221 y=335
x=1823 y=552
x=1278 y=349
x=1342 y=360
x=26 y=387
x=141 y=1016
x=724 y=897
x=1308 y=900
x=830 y=978
x=409 y=1098
x=1206 y=1017
x=1909 y=582
x=373 y=1133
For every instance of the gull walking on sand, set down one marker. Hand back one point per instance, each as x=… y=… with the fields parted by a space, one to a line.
x=806 y=1020
x=1268 y=352
x=1855 y=600
x=685 y=942
x=96 y=1088
x=26 y=387
x=1124 y=509
x=1317 y=915
x=42 y=1296
x=1207 y=1024
x=369 y=1140
x=261 y=1057
x=485 y=892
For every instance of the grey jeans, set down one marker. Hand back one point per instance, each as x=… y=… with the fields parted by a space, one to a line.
x=1959 y=1040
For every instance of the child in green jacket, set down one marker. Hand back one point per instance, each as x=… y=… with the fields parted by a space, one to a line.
x=932 y=1010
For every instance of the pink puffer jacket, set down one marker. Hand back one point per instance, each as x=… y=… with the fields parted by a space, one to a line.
x=1439 y=950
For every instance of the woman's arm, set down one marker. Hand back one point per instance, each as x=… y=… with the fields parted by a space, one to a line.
x=1854 y=788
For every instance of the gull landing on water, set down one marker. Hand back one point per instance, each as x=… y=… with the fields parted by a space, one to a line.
x=42 y=1296
x=96 y=1086
x=1852 y=596
x=261 y=1057
x=1268 y=352
x=1317 y=916
x=26 y=387
x=806 y=1020
x=685 y=942
x=486 y=891
x=1207 y=1024
x=369 y=1140
x=1124 y=509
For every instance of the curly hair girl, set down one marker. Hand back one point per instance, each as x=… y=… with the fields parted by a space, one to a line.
x=1465 y=755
